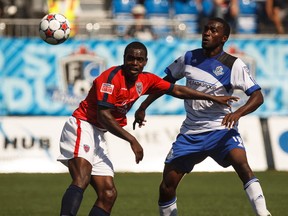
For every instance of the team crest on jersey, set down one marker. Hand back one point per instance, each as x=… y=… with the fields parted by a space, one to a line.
x=107 y=88
x=139 y=88
x=218 y=71
x=86 y=148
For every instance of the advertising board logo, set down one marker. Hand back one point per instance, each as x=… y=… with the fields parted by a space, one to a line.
x=283 y=141
x=76 y=74
x=20 y=142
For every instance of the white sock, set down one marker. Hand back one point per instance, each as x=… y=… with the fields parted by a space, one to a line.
x=168 y=208
x=256 y=197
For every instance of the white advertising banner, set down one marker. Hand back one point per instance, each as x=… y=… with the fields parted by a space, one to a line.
x=31 y=144
x=278 y=127
x=251 y=133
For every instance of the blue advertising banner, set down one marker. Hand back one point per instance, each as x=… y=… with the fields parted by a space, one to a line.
x=42 y=79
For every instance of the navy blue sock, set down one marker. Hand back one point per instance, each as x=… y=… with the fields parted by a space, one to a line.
x=97 y=211
x=71 y=200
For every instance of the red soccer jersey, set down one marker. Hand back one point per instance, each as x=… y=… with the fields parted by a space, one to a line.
x=110 y=89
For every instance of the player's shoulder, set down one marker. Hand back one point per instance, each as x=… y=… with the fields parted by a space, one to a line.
x=227 y=59
x=113 y=69
x=111 y=72
x=147 y=74
x=194 y=52
x=110 y=75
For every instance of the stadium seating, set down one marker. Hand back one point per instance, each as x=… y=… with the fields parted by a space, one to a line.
x=121 y=10
x=207 y=8
x=158 y=12
x=187 y=13
x=247 y=22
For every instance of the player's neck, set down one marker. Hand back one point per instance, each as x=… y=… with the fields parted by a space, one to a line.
x=212 y=53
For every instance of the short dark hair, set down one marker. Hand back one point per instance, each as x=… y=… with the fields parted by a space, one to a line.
x=135 y=45
x=226 y=26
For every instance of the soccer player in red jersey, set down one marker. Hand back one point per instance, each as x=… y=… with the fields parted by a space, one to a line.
x=82 y=144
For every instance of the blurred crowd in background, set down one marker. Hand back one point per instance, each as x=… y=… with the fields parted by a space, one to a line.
x=145 y=19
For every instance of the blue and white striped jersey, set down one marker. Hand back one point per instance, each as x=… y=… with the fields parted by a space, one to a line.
x=218 y=75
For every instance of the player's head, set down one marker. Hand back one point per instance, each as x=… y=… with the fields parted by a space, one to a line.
x=215 y=34
x=135 y=59
x=135 y=45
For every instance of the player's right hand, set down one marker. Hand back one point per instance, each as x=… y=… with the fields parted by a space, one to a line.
x=138 y=150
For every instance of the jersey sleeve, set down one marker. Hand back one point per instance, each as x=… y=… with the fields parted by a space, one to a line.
x=106 y=88
x=242 y=79
x=176 y=69
x=105 y=94
x=157 y=84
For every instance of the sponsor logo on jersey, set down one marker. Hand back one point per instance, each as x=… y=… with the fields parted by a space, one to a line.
x=139 y=88
x=107 y=88
x=206 y=85
x=218 y=71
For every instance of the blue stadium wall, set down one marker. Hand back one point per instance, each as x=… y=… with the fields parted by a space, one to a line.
x=41 y=84
x=34 y=74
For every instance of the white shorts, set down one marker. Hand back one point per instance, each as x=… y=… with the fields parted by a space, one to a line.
x=82 y=139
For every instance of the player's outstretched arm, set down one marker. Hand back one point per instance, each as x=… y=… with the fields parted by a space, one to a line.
x=184 y=92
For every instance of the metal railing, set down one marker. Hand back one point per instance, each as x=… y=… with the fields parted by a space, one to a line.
x=102 y=28
x=88 y=28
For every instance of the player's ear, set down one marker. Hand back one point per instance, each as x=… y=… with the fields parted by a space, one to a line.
x=144 y=63
x=224 y=39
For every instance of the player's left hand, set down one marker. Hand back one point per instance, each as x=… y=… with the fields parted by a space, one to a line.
x=139 y=118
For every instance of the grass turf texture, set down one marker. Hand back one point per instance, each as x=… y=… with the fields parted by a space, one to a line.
x=199 y=194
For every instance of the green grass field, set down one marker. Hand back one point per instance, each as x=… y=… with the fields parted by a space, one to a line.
x=199 y=194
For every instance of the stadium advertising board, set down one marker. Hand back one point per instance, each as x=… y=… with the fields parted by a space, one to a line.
x=31 y=145
x=40 y=79
x=278 y=128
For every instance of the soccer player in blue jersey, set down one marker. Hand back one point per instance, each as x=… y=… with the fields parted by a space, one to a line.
x=210 y=129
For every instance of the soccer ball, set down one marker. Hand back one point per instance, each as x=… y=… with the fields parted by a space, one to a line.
x=54 y=28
